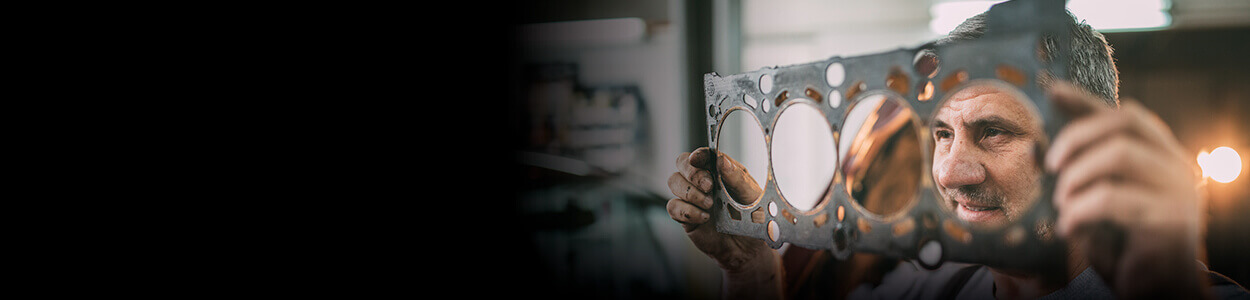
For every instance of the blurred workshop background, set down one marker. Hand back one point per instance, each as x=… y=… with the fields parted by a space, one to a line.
x=606 y=94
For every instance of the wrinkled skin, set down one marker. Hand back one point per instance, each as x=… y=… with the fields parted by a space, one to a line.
x=984 y=160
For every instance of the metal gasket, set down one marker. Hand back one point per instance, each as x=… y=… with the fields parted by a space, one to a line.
x=1007 y=54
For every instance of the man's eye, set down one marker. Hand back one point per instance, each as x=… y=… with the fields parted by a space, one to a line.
x=993 y=132
x=942 y=134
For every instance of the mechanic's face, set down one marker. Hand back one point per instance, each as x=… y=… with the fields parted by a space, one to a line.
x=983 y=160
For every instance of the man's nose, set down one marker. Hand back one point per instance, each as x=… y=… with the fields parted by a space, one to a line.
x=961 y=167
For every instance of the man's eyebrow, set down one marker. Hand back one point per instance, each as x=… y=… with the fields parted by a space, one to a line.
x=939 y=124
x=996 y=121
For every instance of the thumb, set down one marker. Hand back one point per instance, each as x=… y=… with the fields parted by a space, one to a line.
x=1074 y=101
x=738 y=182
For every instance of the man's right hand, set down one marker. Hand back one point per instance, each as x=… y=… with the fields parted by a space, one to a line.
x=692 y=185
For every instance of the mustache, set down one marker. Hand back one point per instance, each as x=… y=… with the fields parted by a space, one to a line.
x=977 y=194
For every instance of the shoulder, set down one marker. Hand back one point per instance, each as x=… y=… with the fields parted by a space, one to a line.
x=1224 y=288
x=910 y=281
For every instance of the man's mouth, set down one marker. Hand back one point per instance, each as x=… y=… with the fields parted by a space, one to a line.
x=973 y=212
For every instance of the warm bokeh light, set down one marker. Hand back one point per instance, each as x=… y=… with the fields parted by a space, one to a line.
x=1222 y=164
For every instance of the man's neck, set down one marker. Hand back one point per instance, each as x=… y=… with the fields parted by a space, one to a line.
x=1018 y=285
x=1011 y=284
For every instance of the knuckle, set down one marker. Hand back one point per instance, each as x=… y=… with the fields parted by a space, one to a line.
x=1103 y=194
x=675 y=185
x=1132 y=106
x=1124 y=119
x=700 y=150
x=1118 y=144
x=700 y=175
x=1124 y=152
x=1063 y=189
x=673 y=207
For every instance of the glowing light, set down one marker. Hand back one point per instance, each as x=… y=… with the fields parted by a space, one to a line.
x=1222 y=164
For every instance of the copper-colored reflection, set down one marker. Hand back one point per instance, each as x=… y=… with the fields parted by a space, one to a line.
x=1010 y=74
x=785 y=214
x=904 y=227
x=954 y=80
x=773 y=231
x=957 y=232
x=880 y=155
x=813 y=94
x=781 y=97
x=926 y=91
x=855 y=89
x=820 y=220
x=897 y=81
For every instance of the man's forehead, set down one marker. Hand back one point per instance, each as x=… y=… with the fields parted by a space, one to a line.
x=978 y=101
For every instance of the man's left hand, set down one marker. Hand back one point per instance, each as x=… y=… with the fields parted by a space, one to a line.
x=1127 y=194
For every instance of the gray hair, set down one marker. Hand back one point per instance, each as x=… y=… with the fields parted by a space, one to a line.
x=1090 y=65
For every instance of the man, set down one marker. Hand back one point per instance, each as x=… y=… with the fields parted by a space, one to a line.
x=1116 y=164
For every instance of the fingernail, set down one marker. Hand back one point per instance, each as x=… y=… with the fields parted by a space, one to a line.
x=706 y=184
x=704 y=215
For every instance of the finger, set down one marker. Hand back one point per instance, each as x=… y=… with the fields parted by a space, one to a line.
x=1078 y=135
x=684 y=212
x=1075 y=102
x=1105 y=201
x=1133 y=120
x=682 y=159
x=701 y=158
x=1152 y=128
x=700 y=177
x=1118 y=158
x=738 y=182
x=686 y=191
